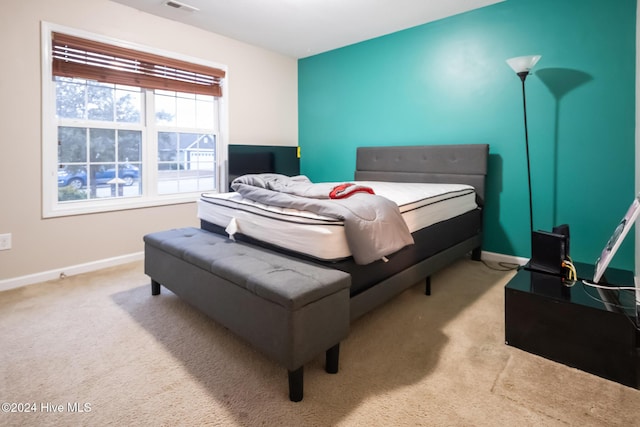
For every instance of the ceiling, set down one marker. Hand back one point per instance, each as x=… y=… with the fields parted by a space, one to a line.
x=301 y=28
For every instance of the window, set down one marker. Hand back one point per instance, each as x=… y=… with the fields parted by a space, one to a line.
x=124 y=127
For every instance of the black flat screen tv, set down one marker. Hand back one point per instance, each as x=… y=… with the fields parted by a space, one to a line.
x=247 y=159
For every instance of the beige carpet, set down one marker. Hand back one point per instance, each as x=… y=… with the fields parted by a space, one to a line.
x=102 y=340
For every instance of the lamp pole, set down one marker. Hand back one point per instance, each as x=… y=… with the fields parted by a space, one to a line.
x=522 y=65
x=523 y=75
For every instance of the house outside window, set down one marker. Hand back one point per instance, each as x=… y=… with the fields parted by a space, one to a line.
x=124 y=127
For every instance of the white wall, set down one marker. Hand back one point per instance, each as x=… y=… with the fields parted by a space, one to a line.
x=259 y=113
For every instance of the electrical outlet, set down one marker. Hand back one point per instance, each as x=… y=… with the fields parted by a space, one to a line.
x=5 y=242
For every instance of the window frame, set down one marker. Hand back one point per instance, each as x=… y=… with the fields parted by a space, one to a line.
x=51 y=207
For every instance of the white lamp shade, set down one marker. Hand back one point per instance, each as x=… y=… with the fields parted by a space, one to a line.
x=521 y=64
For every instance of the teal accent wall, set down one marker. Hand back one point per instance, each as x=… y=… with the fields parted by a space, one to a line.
x=447 y=82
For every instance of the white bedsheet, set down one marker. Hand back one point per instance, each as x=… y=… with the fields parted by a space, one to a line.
x=322 y=237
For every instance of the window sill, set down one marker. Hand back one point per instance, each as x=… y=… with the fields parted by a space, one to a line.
x=114 y=205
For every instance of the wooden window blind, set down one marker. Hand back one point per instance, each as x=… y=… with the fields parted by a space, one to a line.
x=88 y=59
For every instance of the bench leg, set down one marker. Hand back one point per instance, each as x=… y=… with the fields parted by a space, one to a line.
x=332 y=359
x=427 y=287
x=296 y=384
x=476 y=254
x=155 y=287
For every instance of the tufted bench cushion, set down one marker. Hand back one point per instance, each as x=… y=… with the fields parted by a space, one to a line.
x=289 y=309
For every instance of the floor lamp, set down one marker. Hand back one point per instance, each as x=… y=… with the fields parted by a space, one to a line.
x=522 y=65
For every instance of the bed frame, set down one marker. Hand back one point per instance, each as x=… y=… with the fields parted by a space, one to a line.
x=446 y=242
x=457 y=164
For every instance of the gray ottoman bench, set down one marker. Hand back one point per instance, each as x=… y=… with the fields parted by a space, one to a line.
x=291 y=310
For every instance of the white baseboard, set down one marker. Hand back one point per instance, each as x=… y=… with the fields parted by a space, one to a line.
x=510 y=259
x=72 y=270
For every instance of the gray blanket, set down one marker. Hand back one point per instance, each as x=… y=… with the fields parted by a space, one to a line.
x=373 y=225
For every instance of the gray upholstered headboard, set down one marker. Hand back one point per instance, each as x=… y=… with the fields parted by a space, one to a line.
x=457 y=164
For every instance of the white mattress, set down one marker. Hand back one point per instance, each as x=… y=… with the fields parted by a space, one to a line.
x=323 y=237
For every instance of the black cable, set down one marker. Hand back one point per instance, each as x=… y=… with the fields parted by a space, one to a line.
x=623 y=308
x=506 y=266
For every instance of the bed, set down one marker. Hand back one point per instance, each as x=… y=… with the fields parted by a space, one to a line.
x=294 y=304
x=458 y=169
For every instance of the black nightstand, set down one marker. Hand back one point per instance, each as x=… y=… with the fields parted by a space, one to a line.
x=580 y=326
